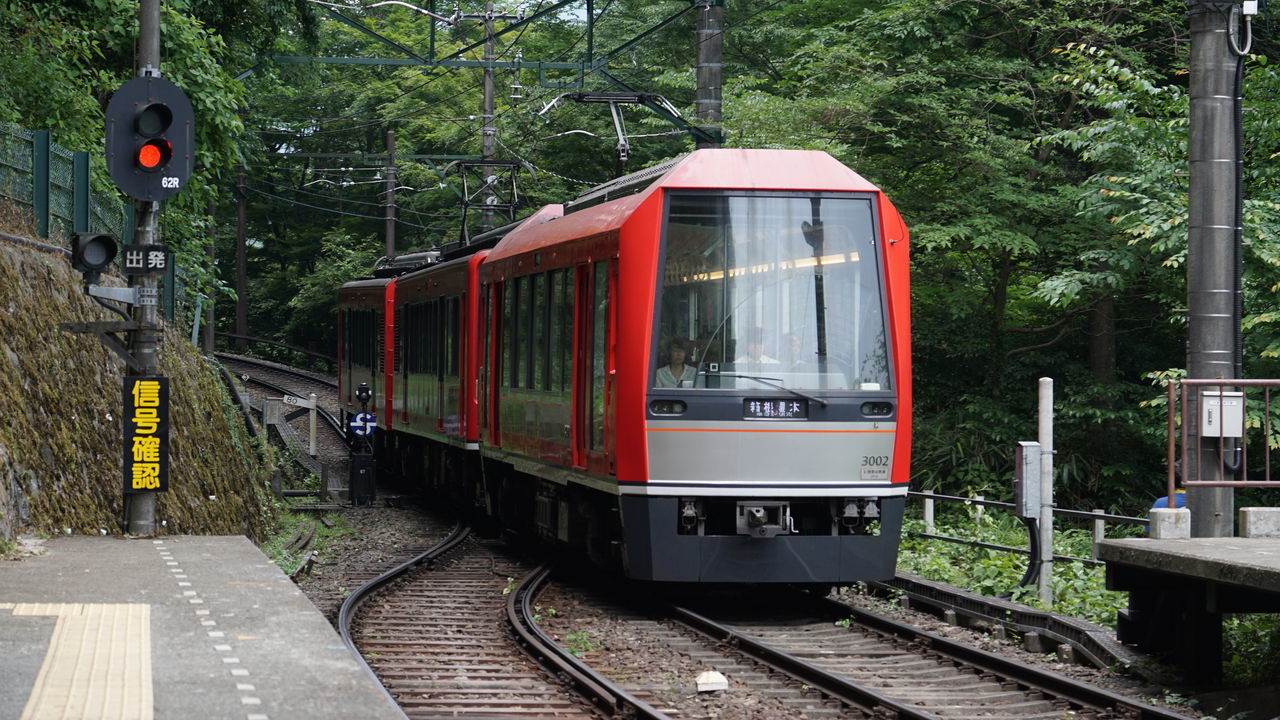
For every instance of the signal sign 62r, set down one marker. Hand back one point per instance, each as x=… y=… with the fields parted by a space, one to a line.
x=150 y=138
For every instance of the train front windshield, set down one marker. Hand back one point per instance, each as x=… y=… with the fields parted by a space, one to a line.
x=762 y=291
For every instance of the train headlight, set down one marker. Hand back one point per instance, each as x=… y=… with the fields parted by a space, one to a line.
x=877 y=409
x=667 y=407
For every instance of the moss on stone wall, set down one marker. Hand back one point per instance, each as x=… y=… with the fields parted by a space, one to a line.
x=60 y=443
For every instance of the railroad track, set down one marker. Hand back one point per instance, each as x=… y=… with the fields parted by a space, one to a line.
x=452 y=634
x=287 y=381
x=302 y=376
x=818 y=658
x=880 y=665
x=263 y=379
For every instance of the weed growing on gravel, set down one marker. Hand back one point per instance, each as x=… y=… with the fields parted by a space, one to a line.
x=333 y=525
x=579 y=643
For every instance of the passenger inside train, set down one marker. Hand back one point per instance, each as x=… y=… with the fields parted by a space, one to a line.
x=676 y=373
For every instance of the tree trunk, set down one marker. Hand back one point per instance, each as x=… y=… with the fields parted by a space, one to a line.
x=1003 y=269
x=1102 y=339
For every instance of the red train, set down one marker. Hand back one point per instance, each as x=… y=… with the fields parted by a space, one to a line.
x=699 y=373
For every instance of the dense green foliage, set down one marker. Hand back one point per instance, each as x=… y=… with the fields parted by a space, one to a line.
x=1079 y=589
x=1036 y=150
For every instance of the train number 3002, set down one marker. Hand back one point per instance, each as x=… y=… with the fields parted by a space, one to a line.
x=875 y=461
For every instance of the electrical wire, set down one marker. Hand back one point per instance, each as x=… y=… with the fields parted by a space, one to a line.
x=472 y=134
x=434 y=77
x=349 y=201
x=343 y=212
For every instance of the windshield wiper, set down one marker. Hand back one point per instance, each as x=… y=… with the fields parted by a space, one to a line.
x=771 y=382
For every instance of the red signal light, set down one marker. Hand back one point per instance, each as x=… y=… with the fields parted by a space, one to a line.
x=154 y=154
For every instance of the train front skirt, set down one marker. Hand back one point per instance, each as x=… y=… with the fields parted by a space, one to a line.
x=656 y=549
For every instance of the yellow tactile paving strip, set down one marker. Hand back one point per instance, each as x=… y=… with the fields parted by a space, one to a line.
x=98 y=664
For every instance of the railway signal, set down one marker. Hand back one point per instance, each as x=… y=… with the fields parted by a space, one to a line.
x=150 y=138
x=92 y=253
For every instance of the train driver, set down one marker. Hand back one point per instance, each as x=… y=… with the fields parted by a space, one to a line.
x=755 y=350
x=677 y=374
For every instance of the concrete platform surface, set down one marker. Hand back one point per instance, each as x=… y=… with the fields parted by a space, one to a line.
x=1248 y=562
x=178 y=627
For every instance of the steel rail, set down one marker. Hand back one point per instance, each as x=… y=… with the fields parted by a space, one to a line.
x=309 y=377
x=1051 y=683
x=349 y=606
x=1092 y=643
x=842 y=689
x=547 y=652
x=324 y=414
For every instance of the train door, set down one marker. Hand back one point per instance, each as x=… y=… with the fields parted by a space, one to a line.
x=498 y=358
x=592 y=381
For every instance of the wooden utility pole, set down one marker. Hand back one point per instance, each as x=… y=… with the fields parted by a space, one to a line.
x=389 y=202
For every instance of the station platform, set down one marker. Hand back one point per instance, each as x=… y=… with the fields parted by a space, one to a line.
x=177 y=627
x=1179 y=590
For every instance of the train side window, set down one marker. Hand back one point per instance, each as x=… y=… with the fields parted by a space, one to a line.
x=556 y=331
x=539 y=307
x=567 y=284
x=438 y=321
x=508 y=335
x=424 y=337
x=397 y=340
x=407 y=330
x=525 y=320
x=424 y=343
x=429 y=322
x=379 y=335
x=451 y=336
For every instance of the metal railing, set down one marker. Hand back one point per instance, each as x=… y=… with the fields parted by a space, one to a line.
x=1098 y=517
x=1207 y=409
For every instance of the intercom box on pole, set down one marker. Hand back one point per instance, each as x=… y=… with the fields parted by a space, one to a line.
x=1026 y=479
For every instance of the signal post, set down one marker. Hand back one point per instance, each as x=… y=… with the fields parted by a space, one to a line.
x=150 y=139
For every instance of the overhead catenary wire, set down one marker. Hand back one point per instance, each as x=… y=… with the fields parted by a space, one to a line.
x=433 y=77
x=521 y=137
x=350 y=201
x=343 y=212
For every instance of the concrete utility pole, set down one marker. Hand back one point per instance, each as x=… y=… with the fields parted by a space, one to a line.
x=1044 y=425
x=389 y=202
x=489 y=148
x=1213 y=247
x=140 y=508
x=710 y=34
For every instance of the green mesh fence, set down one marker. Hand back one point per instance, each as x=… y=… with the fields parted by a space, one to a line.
x=61 y=195
x=21 y=153
x=15 y=164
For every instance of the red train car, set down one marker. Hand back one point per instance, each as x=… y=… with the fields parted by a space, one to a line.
x=363 y=318
x=700 y=373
